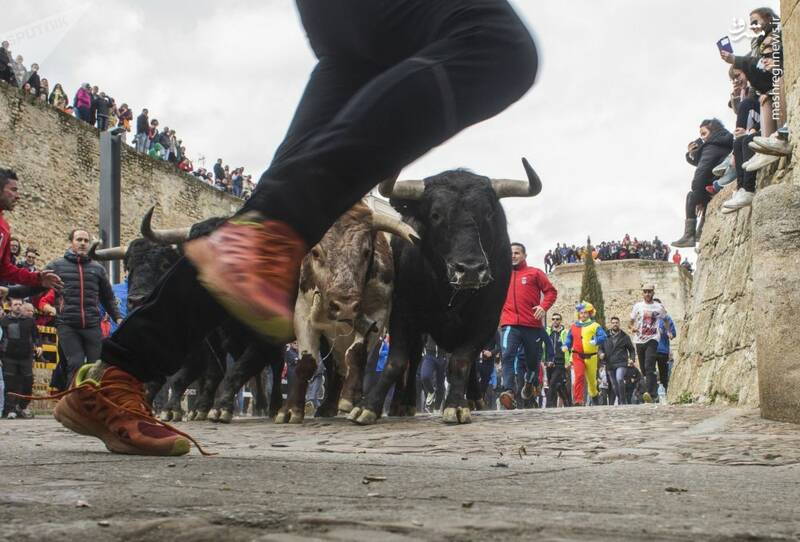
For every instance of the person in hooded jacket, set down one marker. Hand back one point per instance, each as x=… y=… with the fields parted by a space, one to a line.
x=78 y=317
x=713 y=145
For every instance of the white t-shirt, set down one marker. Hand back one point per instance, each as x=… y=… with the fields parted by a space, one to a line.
x=645 y=318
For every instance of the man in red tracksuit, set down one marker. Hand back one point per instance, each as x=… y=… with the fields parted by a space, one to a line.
x=10 y=273
x=530 y=295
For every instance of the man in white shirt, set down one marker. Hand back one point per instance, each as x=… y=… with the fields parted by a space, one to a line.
x=644 y=326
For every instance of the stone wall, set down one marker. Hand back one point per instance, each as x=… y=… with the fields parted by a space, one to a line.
x=740 y=327
x=57 y=160
x=622 y=287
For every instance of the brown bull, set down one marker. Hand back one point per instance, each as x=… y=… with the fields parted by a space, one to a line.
x=344 y=296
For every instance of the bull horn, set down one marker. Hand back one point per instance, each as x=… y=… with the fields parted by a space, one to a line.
x=106 y=254
x=394 y=226
x=507 y=188
x=390 y=188
x=164 y=237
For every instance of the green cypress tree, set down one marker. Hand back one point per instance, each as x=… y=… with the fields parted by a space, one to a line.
x=591 y=290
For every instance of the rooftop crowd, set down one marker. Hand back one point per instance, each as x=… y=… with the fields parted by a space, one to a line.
x=95 y=107
x=626 y=249
x=760 y=136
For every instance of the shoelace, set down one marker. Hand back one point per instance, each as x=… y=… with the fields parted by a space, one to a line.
x=141 y=411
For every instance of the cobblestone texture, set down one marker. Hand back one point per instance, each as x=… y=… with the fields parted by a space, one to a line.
x=641 y=472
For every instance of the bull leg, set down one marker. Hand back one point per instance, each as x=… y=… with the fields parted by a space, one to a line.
x=276 y=393
x=333 y=388
x=151 y=390
x=180 y=382
x=354 y=360
x=474 y=398
x=455 y=404
x=260 y=402
x=403 y=343
x=248 y=365
x=294 y=409
x=215 y=371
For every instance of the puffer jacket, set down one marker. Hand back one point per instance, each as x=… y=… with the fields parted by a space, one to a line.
x=706 y=157
x=85 y=284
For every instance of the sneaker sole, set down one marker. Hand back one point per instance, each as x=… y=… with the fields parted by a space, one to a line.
x=274 y=323
x=72 y=420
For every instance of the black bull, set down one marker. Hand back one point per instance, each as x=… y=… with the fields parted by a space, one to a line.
x=452 y=285
x=146 y=262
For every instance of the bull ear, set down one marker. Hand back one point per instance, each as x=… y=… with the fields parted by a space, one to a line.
x=507 y=188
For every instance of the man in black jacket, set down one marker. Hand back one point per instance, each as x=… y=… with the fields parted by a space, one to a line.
x=78 y=319
x=142 y=125
x=705 y=153
x=618 y=353
x=103 y=105
x=21 y=341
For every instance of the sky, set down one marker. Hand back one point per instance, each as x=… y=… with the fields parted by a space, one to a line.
x=621 y=89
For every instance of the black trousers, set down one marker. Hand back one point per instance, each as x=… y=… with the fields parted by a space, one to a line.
x=646 y=353
x=662 y=363
x=79 y=346
x=559 y=386
x=394 y=79
x=742 y=153
x=18 y=375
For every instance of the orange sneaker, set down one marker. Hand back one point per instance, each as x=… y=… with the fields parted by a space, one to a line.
x=251 y=267
x=115 y=411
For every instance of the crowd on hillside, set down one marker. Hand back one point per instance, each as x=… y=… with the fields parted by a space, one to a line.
x=760 y=136
x=95 y=107
x=626 y=249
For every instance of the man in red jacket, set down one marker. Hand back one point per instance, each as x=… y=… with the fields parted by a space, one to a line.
x=10 y=273
x=530 y=295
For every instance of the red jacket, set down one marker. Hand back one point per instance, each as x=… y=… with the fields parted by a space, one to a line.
x=9 y=272
x=525 y=291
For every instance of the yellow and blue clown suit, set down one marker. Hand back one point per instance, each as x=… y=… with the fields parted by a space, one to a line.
x=583 y=339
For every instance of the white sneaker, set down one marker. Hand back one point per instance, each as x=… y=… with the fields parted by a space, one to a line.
x=733 y=198
x=771 y=145
x=743 y=199
x=759 y=161
x=719 y=169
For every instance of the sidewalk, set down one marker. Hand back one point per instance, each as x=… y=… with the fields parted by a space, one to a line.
x=605 y=473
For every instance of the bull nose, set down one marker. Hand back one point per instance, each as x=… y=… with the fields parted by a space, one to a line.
x=344 y=310
x=470 y=274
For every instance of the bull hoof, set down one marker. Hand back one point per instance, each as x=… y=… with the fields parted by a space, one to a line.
x=354 y=413
x=225 y=416
x=478 y=404
x=201 y=415
x=165 y=416
x=282 y=416
x=345 y=405
x=213 y=415
x=456 y=415
x=296 y=415
x=190 y=415
x=367 y=417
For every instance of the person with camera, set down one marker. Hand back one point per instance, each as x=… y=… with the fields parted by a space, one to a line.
x=713 y=145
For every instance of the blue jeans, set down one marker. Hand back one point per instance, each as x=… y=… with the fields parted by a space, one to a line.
x=432 y=373
x=534 y=341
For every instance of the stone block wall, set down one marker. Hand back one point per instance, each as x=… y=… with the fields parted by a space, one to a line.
x=57 y=160
x=622 y=282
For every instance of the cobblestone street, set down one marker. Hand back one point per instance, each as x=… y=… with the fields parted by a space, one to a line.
x=641 y=472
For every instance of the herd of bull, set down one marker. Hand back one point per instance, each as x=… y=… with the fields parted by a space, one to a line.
x=445 y=274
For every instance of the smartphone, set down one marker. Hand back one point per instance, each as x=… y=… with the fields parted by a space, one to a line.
x=724 y=44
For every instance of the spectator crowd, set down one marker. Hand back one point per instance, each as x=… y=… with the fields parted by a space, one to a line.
x=96 y=108
x=626 y=249
x=760 y=136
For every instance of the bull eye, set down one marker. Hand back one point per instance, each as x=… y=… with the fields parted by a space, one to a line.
x=316 y=253
x=435 y=216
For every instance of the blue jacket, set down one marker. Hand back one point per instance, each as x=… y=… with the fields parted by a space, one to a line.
x=664 y=325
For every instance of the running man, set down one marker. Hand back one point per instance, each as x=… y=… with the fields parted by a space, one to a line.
x=645 y=327
x=393 y=80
